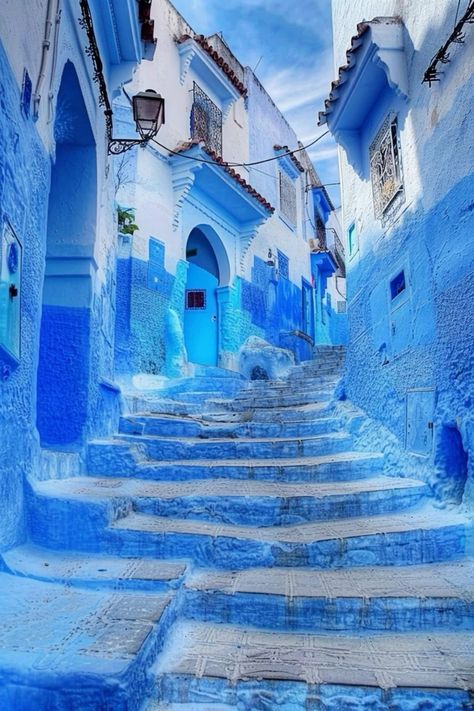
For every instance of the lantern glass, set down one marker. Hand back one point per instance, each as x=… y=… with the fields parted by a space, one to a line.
x=148 y=113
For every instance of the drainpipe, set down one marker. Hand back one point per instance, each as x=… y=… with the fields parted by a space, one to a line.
x=46 y=45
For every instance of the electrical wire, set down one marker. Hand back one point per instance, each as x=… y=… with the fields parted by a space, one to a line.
x=457 y=13
x=227 y=164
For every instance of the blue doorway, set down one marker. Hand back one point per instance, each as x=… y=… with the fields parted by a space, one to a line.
x=200 y=308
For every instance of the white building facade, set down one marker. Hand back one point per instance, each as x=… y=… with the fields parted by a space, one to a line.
x=222 y=252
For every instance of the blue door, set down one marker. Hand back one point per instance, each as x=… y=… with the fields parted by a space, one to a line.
x=200 y=316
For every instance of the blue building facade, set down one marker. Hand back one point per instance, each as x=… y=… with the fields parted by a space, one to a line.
x=402 y=123
x=56 y=221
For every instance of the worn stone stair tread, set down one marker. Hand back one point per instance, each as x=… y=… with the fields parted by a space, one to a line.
x=155 y=705
x=70 y=567
x=93 y=487
x=55 y=630
x=210 y=651
x=326 y=437
x=425 y=518
x=436 y=580
x=286 y=462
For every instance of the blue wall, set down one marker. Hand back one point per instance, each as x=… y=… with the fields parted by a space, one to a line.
x=266 y=306
x=424 y=337
x=24 y=188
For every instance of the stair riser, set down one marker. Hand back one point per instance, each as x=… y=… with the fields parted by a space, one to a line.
x=169 y=450
x=119 y=462
x=276 y=612
x=297 y=696
x=61 y=523
x=275 y=511
x=224 y=552
x=170 y=428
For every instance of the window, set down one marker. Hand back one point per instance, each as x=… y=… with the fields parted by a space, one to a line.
x=195 y=299
x=206 y=121
x=283 y=265
x=321 y=232
x=385 y=167
x=397 y=285
x=352 y=239
x=287 y=198
x=341 y=307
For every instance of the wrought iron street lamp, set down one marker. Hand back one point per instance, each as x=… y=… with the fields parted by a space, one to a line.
x=149 y=117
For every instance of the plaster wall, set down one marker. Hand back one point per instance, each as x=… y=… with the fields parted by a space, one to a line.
x=27 y=155
x=422 y=340
x=254 y=303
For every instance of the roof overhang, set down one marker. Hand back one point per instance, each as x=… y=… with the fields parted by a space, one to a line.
x=220 y=184
x=324 y=262
x=192 y=55
x=120 y=33
x=376 y=60
x=321 y=202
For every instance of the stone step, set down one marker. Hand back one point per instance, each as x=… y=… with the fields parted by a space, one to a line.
x=125 y=460
x=249 y=503
x=408 y=599
x=66 y=648
x=76 y=569
x=170 y=449
x=301 y=671
x=200 y=397
x=291 y=385
x=256 y=402
x=301 y=413
x=422 y=536
x=169 y=426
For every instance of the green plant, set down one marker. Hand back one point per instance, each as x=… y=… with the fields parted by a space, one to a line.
x=126 y=220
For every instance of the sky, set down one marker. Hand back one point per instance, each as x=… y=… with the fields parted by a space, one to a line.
x=289 y=42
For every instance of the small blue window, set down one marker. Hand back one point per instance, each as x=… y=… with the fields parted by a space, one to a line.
x=352 y=242
x=397 y=285
x=283 y=265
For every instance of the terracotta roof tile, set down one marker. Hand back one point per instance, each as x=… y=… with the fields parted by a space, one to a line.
x=356 y=43
x=220 y=61
x=187 y=145
x=292 y=157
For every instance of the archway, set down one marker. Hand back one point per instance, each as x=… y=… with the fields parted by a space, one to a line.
x=208 y=268
x=64 y=358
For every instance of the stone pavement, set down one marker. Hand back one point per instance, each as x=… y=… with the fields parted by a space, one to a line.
x=235 y=546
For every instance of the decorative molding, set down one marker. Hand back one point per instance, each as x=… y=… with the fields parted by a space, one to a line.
x=193 y=55
x=246 y=236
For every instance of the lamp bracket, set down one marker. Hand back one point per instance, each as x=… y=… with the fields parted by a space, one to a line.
x=120 y=145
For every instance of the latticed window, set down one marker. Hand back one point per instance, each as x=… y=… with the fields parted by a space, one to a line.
x=385 y=167
x=206 y=121
x=283 y=265
x=287 y=198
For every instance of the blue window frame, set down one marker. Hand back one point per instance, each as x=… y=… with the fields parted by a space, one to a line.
x=283 y=265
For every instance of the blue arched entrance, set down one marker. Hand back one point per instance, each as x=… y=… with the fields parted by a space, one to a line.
x=64 y=357
x=201 y=313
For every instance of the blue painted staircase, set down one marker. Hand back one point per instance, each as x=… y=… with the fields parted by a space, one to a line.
x=233 y=546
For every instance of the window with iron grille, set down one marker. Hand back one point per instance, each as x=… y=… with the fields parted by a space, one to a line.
x=287 y=198
x=385 y=167
x=195 y=299
x=283 y=265
x=206 y=121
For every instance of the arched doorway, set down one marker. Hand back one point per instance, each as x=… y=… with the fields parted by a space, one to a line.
x=207 y=269
x=64 y=357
